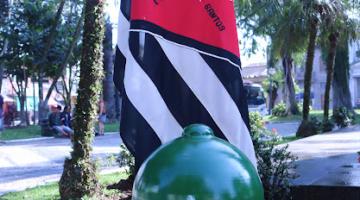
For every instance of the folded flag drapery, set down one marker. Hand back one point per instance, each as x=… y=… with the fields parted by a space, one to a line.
x=177 y=63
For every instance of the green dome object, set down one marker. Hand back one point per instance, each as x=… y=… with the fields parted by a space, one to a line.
x=197 y=166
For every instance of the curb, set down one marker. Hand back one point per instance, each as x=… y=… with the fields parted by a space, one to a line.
x=47 y=179
x=39 y=139
x=283 y=122
x=26 y=140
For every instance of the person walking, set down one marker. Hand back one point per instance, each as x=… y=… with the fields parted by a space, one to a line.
x=1 y=113
x=101 y=117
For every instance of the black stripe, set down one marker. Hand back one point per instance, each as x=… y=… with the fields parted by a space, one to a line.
x=125 y=7
x=136 y=133
x=119 y=67
x=145 y=25
x=230 y=77
x=179 y=98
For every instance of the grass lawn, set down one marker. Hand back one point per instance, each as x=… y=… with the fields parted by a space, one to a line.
x=21 y=133
x=313 y=113
x=288 y=139
x=51 y=191
x=34 y=131
x=113 y=127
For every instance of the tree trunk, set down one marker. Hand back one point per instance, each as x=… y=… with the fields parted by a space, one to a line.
x=79 y=176
x=27 y=121
x=50 y=39
x=330 y=73
x=307 y=128
x=108 y=83
x=341 y=90
x=274 y=95
x=4 y=14
x=309 y=69
x=22 y=99
x=63 y=65
x=42 y=105
x=22 y=110
x=291 y=105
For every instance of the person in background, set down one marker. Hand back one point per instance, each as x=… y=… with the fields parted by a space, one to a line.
x=56 y=123
x=101 y=117
x=1 y=113
x=66 y=116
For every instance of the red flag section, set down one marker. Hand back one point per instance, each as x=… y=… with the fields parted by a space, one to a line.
x=211 y=22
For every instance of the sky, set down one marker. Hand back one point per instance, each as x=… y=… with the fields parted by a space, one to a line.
x=112 y=9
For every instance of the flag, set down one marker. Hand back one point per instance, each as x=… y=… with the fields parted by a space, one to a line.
x=178 y=63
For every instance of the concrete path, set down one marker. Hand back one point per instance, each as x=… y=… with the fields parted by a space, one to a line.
x=323 y=159
x=29 y=163
x=328 y=159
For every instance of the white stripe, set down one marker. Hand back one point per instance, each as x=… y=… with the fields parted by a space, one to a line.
x=142 y=92
x=184 y=46
x=212 y=94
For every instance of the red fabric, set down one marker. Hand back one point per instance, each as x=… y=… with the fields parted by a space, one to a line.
x=211 y=22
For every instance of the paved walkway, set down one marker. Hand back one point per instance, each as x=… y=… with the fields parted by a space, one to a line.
x=323 y=159
x=28 y=163
x=328 y=159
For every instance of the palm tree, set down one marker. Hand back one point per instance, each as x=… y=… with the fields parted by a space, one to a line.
x=349 y=31
x=335 y=27
x=332 y=40
x=40 y=65
x=314 y=13
x=341 y=90
x=282 y=22
x=79 y=176
x=108 y=83
x=4 y=14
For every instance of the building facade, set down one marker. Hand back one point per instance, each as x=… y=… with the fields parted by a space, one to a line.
x=319 y=77
x=354 y=56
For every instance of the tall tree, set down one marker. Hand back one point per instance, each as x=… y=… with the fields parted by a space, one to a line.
x=341 y=90
x=79 y=176
x=108 y=83
x=318 y=12
x=4 y=15
x=335 y=28
x=332 y=39
x=315 y=12
x=71 y=59
x=350 y=31
x=40 y=65
x=24 y=32
x=282 y=22
x=313 y=28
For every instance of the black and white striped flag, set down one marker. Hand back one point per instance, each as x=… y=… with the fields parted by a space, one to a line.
x=177 y=63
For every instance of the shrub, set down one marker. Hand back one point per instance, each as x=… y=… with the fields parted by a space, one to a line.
x=343 y=117
x=300 y=107
x=276 y=180
x=309 y=127
x=279 y=110
x=126 y=160
x=327 y=126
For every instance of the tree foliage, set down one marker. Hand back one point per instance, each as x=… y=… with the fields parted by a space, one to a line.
x=281 y=22
x=40 y=37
